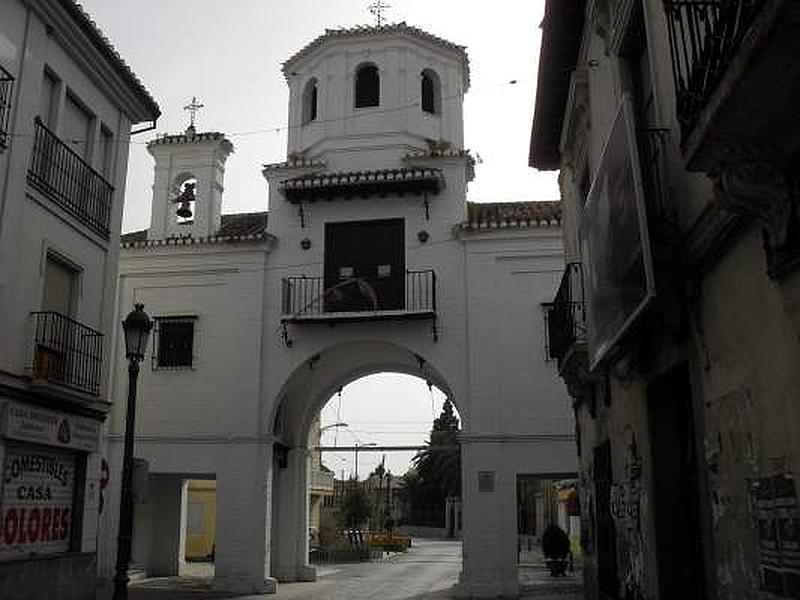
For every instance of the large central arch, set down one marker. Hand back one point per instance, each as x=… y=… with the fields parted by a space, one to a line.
x=305 y=391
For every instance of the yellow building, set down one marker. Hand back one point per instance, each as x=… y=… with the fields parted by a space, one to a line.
x=320 y=484
x=201 y=520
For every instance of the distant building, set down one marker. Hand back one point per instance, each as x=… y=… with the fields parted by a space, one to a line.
x=67 y=106
x=675 y=327
x=320 y=486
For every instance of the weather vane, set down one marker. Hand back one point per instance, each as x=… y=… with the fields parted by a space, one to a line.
x=377 y=8
x=192 y=107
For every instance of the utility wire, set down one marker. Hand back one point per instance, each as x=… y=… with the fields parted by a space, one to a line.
x=280 y=128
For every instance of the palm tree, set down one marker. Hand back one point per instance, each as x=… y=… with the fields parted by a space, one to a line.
x=436 y=472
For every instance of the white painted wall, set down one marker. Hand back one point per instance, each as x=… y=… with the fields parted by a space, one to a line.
x=218 y=418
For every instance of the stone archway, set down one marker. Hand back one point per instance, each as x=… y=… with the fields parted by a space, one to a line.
x=301 y=397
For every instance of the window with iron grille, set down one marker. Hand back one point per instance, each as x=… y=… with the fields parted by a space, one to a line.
x=174 y=342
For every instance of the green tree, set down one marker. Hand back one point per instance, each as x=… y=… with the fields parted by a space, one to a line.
x=356 y=507
x=436 y=472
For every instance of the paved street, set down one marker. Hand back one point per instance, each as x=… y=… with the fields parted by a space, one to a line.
x=428 y=571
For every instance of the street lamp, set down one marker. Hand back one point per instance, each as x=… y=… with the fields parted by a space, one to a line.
x=332 y=425
x=357 y=446
x=321 y=429
x=137 y=326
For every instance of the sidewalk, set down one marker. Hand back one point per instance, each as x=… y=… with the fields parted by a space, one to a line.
x=536 y=582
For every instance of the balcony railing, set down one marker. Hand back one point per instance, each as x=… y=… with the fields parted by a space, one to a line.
x=566 y=317
x=6 y=89
x=62 y=175
x=66 y=352
x=408 y=297
x=322 y=480
x=306 y=298
x=704 y=37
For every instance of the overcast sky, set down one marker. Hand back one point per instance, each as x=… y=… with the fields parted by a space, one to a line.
x=229 y=55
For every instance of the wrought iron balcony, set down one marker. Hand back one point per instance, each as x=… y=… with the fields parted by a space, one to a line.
x=6 y=89
x=62 y=175
x=66 y=352
x=308 y=300
x=705 y=36
x=566 y=316
x=358 y=298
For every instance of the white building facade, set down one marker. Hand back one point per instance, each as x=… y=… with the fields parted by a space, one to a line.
x=67 y=106
x=369 y=260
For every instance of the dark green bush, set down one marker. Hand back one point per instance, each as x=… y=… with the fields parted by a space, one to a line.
x=555 y=542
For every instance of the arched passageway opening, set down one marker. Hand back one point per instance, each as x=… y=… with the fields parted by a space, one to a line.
x=377 y=423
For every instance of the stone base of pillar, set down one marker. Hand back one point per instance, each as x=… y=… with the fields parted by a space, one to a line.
x=293 y=574
x=475 y=589
x=238 y=586
x=307 y=573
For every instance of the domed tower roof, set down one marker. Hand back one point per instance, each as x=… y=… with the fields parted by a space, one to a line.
x=364 y=97
x=347 y=34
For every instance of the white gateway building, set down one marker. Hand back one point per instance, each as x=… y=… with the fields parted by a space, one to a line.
x=368 y=260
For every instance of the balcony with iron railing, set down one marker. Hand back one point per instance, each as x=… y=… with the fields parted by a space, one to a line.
x=6 y=90
x=566 y=316
x=734 y=71
x=62 y=175
x=65 y=352
x=408 y=297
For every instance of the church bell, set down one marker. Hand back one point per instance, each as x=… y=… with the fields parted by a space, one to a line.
x=184 y=210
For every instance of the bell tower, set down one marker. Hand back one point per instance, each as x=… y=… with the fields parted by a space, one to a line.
x=364 y=97
x=188 y=183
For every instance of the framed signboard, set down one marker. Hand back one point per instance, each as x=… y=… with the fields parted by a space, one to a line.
x=618 y=266
x=37 y=501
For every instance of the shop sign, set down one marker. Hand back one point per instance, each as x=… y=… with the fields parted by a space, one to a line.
x=32 y=424
x=38 y=491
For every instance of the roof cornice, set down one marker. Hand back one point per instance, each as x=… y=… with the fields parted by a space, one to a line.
x=80 y=37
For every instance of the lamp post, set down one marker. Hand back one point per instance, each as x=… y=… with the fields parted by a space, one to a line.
x=331 y=426
x=137 y=326
x=357 y=446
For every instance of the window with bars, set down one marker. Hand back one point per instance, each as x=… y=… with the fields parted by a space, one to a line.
x=174 y=343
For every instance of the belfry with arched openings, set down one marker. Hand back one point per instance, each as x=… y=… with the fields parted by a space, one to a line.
x=367 y=258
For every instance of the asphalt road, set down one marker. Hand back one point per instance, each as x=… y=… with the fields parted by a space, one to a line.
x=428 y=570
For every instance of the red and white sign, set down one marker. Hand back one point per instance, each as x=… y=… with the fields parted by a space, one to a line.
x=37 y=501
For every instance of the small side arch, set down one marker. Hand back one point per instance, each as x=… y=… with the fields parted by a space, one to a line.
x=367 y=86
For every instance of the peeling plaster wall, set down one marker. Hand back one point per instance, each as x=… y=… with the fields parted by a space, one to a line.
x=748 y=348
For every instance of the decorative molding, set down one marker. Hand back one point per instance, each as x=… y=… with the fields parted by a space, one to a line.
x=761 y=190
x=577 y=120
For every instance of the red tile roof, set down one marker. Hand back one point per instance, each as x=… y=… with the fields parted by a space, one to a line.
x=238 y=227
x=492 y=215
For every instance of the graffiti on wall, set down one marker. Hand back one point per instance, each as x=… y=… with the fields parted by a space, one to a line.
x=774 y=505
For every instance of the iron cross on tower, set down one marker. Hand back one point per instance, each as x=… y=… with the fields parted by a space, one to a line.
x=377 y=8
x=192 y=107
